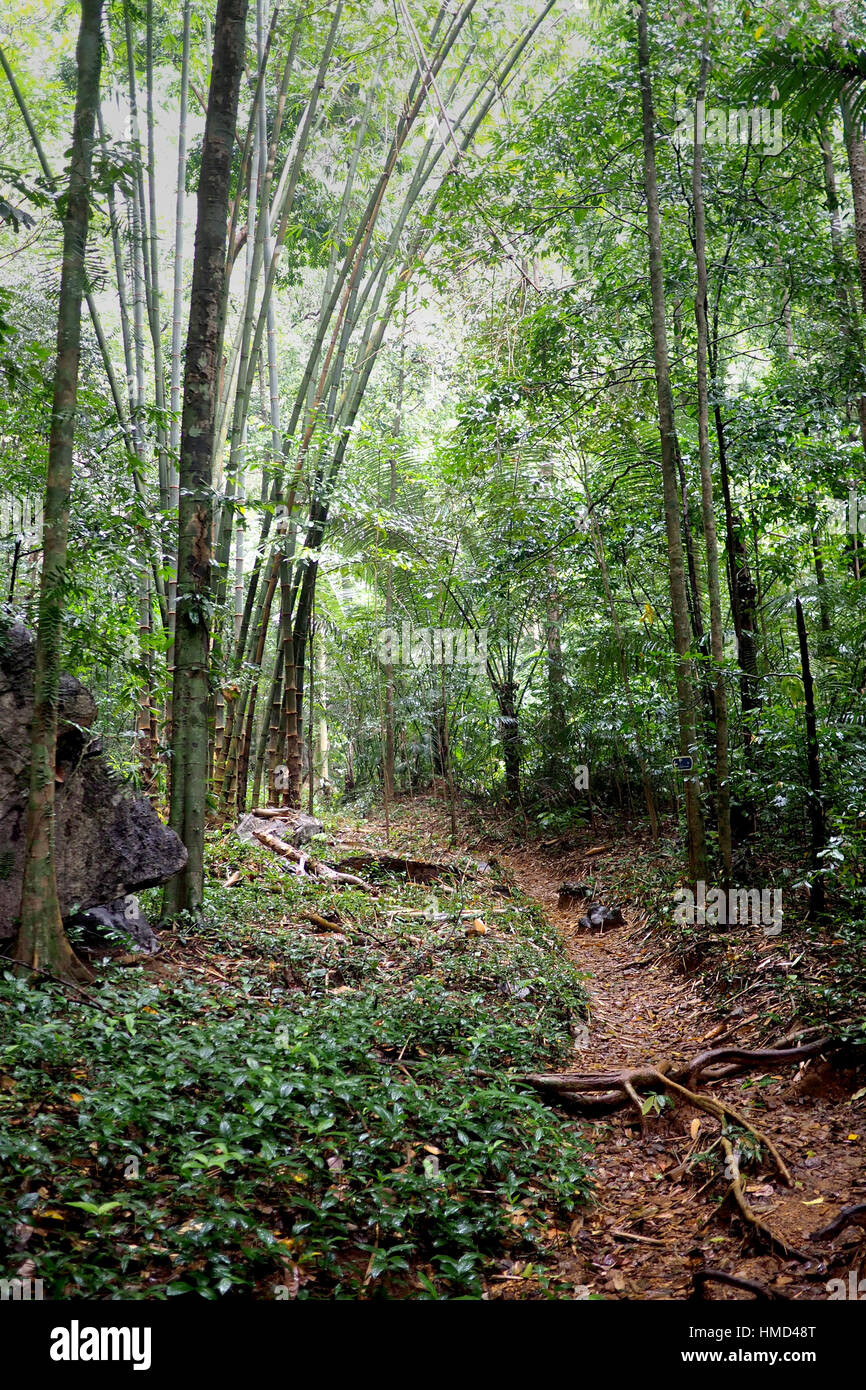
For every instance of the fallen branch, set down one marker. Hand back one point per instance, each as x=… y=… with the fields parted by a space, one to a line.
x=278 y=846
x=307 y=862
x=353 y=933
x=321 y=922
x=59 y=980
x=335 y=876
x=723 y=1031
x=638 y=1240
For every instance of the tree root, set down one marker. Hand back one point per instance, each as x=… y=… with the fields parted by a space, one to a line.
x=636 y=1102
x=723 y=1112
x=627 y=1082
x=849 y=1216
x=751 y=1058
x=737 y=1191
x=610 y=1090
x=570 y=1084
x=734 y=1281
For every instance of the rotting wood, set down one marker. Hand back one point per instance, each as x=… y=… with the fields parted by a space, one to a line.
x=416 y=870
x=314 y=867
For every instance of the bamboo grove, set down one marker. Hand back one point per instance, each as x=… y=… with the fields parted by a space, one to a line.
x=481 y=331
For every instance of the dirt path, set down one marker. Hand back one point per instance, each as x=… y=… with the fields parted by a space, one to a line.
x=660 y=1212
x=655 y=1221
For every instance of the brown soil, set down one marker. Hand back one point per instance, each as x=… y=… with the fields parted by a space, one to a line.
x=659 y=1215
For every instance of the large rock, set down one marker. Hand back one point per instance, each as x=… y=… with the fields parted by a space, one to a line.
x=123 y=917
x=108 y=842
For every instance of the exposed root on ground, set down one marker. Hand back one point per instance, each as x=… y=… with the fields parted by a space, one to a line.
x=653 y=1036
x=702 y=1277
x=760 y=1227
x=569 y=1087
x=849 y=1216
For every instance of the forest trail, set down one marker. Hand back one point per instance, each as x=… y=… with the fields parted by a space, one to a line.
x=654 y=1223
x=659 y=1214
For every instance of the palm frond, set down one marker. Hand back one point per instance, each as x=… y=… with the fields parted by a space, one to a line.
x=809 y=81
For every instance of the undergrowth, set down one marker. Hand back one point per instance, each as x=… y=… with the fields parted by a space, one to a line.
x=263 y=1110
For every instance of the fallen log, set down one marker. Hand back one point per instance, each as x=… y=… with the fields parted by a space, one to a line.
x=315 y=866
x=415 y=870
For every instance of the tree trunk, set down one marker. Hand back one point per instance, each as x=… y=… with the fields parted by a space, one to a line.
x=817 y=819
x=557 y=718
x=693 y=592
x=176 y=330
x=311 y=717
x=667 y=430
x=146 y=719
x=190 y=691
x=649 y=796
x=747 y=598
x=290 y=736
x=856 y=151
x=820 y=578
x=388 y=776
x=847 y=304
x=41 y=941
x=510 y=735
x=446 y=756
x=723 y=791
x=323 y=744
